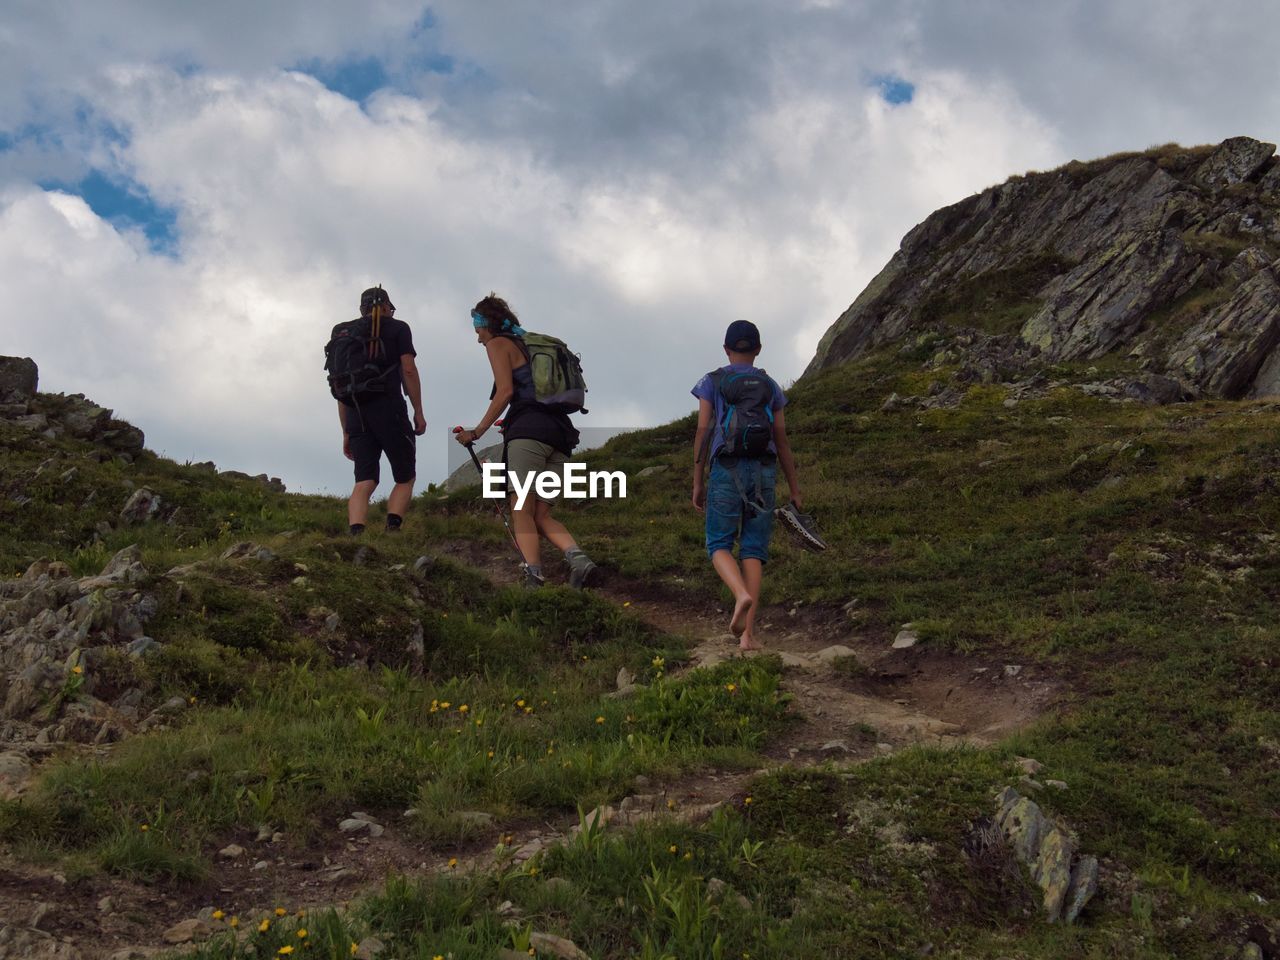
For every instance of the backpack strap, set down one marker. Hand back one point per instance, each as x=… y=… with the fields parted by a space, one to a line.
x=754 y=505
x=715 y=376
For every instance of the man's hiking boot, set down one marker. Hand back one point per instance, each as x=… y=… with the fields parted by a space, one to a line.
x=583 y=573
x=531 y=580
x=802 y=525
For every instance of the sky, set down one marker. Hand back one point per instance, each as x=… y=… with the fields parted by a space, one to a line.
x=192 y=195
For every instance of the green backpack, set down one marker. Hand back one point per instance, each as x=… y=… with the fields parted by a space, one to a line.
x=557 y=372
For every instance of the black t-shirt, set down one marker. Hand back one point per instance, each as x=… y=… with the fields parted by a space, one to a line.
x=397 y=340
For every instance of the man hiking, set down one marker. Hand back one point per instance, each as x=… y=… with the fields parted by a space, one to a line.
x=742 y=432
x=538 y=435
x=371 y=368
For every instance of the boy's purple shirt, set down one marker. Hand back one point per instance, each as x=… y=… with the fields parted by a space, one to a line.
x=704 y=389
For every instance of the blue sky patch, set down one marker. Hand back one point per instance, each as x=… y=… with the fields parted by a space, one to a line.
x=125 y=204
x=893 y=89
x=356 y=80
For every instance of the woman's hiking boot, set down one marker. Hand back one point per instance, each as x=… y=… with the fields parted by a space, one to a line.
x=582 y=572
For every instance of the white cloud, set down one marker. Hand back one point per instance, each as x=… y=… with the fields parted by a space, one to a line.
x=291 y=199
x=631 y=178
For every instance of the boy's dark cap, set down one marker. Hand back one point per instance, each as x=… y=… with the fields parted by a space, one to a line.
x=742 y=335
x=375 y=295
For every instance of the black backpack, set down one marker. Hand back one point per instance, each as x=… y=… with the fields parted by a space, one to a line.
x=355 y=360
x=748 y=415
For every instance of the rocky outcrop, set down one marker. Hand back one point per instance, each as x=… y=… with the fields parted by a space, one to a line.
x=1168 y=256
x=1048 y=850
x=1232 y=350
x=53 y=629
x=56 y=415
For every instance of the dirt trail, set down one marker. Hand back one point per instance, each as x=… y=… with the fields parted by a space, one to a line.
x=844 y=713
x=890 y=699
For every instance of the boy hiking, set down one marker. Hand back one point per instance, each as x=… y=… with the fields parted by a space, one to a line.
x=742 y=432
x=370 y=361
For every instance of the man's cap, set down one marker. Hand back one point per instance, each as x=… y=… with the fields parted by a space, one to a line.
x=375 y=295
x=743 y=336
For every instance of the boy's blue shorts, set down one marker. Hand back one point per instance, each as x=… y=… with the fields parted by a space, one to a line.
x=727 y=514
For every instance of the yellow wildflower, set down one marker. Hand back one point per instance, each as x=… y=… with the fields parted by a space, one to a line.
x=519 y=703
x=672 y=849
x=218 y=914
x=463 y=709
x=746 y=801
x=285 y=951
x=281 y=911
x=453 y=863
x=77 y=670
x=233 y=922
x=302 y=933
x=731 y=687
x=490 y=754
x=144 y=828
x=688 y=856
x=355 y=948
x=627 y=603
x=444 y=705
x=599 y=719
x=480 y=722
x=264 y=926
x=528 y=710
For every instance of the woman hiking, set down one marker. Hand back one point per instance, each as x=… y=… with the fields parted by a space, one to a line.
x=537 y=439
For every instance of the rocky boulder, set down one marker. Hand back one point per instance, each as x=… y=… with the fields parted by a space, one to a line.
x=141 y=506
x=18 y=380
x=467 y=475
x=1235 y=161
x=1048 y=850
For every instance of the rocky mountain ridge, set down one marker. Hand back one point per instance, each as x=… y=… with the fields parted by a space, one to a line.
x=1169 y=258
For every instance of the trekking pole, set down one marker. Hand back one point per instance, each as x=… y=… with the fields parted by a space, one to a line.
x=498 y=507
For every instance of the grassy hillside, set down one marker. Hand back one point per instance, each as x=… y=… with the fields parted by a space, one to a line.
x=1126 y=551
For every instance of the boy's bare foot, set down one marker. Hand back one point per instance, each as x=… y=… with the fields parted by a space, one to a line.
x=738 y=625
x=749 y=643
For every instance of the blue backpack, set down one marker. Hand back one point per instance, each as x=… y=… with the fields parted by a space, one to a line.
x=748 y=416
